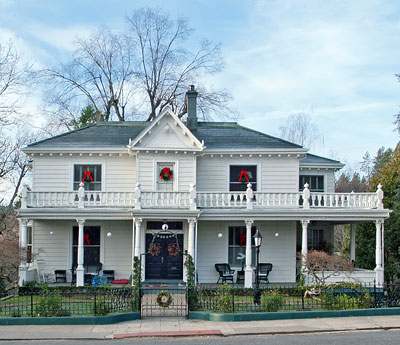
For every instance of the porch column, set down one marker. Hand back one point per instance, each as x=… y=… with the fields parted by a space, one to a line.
x=138 y=229
x=248 y=275
x=378 y=253
x=352 y=243
x=191 y=243
x=23 y=235
x=304 y=242
x=80 y=270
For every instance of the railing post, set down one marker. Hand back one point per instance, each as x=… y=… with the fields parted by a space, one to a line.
x=24 y=194
x=379 y=194
x=249 y=197
x=138 y=197
x=81 y=196
x=192 y=197
x=306 y=197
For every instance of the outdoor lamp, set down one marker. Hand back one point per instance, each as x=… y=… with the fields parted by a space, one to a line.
x=165 y=227
x=257 y=239
x=109 y=234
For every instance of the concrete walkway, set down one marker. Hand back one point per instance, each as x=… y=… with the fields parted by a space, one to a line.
x=181 y=327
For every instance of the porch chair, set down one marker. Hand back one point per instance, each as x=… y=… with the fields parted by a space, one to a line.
x=225 y=272
x=110 y=275
x=263 y=272
x=60 y=276
x=42 y=272
x=73 y=275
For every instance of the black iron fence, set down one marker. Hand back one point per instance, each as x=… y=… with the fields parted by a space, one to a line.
x=228 y=299
x=68 y=301
x=163 y=301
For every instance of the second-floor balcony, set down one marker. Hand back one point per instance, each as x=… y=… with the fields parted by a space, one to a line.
x=193 y=200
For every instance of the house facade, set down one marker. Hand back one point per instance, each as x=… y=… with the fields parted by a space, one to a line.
x=101 y=194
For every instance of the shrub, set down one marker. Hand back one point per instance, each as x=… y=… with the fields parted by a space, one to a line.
x=331 y=301
x=271 y=301
x=224 y=299
x=50 y=305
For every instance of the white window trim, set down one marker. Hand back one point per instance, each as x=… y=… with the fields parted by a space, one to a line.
x=228 y=169
x=88 y=162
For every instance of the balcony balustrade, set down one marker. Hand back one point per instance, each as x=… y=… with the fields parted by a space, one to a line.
x=193 y=200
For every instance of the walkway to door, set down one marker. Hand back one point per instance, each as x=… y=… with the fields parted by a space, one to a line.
x=163 y=301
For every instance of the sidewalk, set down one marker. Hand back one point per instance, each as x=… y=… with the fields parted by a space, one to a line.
x=182 y=327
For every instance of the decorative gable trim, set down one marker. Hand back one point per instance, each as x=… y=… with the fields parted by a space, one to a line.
x=197 y=145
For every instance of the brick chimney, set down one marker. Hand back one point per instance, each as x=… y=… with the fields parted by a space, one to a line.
x=191 y=103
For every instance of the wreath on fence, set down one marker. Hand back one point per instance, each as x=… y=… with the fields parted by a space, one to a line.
x=173 y=249
x=164 y=299
x=154 y=249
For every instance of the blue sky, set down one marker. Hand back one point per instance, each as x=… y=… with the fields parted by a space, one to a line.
x=336 y=59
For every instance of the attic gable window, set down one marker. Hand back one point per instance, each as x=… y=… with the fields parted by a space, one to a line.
x=90 y=175
x=240 y=176
x=315 y=182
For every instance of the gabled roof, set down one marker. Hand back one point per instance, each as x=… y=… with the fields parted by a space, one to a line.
x=175 y=133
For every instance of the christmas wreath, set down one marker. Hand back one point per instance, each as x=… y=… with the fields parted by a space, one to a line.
x=173 y=249
x=164 y=299
x=154 y=249
x=166 y=174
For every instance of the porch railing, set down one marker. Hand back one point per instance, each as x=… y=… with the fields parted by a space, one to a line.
x=194 y=200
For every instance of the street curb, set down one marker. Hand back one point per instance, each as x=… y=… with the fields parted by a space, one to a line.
x=211 y=316
x=169 y=334
x=70 y=320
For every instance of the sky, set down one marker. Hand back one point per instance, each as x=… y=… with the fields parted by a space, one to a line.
x=336 y=60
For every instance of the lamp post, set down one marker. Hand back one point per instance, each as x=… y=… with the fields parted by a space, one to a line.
x=257 y=242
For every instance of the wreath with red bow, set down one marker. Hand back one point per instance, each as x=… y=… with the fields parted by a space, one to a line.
x=155 y=249
x=173 y=249
x=166 y=174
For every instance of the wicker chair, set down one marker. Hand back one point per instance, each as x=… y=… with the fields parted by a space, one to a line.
x=263 y=272
x=225 y=272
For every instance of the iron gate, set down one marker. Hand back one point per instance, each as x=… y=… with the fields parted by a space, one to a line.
x=163 y=301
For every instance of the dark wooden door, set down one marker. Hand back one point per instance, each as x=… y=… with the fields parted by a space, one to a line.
x=162 y=263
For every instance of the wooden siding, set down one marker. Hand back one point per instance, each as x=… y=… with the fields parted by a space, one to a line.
x=273 y=174
x=56 y=249
x=55 y=174
x=279 y=250
x=184 y=170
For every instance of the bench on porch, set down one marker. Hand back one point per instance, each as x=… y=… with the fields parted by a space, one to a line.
x=225 y=272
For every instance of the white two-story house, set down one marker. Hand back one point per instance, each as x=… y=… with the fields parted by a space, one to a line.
x=100 y=193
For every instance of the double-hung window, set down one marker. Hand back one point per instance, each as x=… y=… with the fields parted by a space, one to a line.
x=240 y=176
x=315 y=182
x=165 y=176
x=91 y=245
x=237 y=246
x=90 y=175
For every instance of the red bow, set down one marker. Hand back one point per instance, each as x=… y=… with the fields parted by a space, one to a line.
x=242 y=239
x=166 y=171
x=243 y=173
x=87 y=173
x=86 y=239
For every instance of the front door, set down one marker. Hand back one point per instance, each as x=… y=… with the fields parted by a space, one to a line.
x=163 y=261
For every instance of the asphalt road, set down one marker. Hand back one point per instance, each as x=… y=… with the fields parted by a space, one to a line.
x=364 y=338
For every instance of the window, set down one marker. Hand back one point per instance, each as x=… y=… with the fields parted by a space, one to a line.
x=29 y=245
x=241 y=175
x=237 y=246
x=91 y=245
x=315 y=182
x=90 y=175
x=315 y=238
x=165 y=175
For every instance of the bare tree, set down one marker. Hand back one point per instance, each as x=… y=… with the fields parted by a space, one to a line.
x=300 y=129
x=12 y=78
x=166 y=68
x=137 y=73
x=100 y=74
